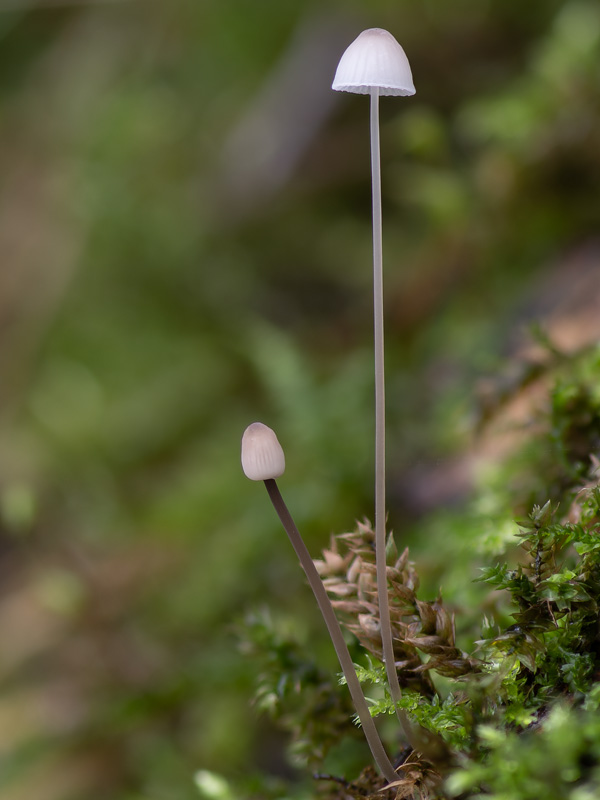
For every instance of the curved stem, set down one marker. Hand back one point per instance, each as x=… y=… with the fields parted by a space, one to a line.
x=335 y=632
x=380 y=534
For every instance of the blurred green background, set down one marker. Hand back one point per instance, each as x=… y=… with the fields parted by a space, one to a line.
x=185 y=248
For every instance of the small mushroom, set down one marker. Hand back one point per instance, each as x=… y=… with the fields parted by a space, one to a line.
x=263 y=459
x=376 y=64
x=262 y=455
x=374 y=60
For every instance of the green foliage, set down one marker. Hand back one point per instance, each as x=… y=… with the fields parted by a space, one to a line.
x=527 y=695
x=296 y=692
x=169 y=277
x=558 y=760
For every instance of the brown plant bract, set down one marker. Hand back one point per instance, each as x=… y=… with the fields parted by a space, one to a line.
x=417 y=779
x=423 y=632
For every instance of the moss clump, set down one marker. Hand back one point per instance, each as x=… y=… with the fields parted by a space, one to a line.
x=509 y=707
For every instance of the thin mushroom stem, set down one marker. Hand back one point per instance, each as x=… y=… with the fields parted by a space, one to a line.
x=380 y=534
x=335 y=632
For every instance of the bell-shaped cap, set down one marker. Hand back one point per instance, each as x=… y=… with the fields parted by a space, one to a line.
x=374 y=60
x=262 y=455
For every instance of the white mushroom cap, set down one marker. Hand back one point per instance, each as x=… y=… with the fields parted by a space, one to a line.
x=374 y=60
x=262 y=455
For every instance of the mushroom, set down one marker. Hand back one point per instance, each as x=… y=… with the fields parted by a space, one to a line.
x=263 y=459
x=262 y=455
x=376 y=64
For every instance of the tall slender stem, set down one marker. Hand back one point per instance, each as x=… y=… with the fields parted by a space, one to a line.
x=335 y=632
x=380 y=533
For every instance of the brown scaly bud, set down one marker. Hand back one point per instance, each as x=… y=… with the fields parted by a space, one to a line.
x=332 y=562
x=419 y=628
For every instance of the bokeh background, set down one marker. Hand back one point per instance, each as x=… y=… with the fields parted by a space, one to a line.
x=185 y=248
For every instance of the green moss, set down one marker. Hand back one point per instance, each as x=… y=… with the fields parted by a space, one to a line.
x=514 y=715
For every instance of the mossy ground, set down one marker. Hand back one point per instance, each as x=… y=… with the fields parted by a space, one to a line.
x=512 y=699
